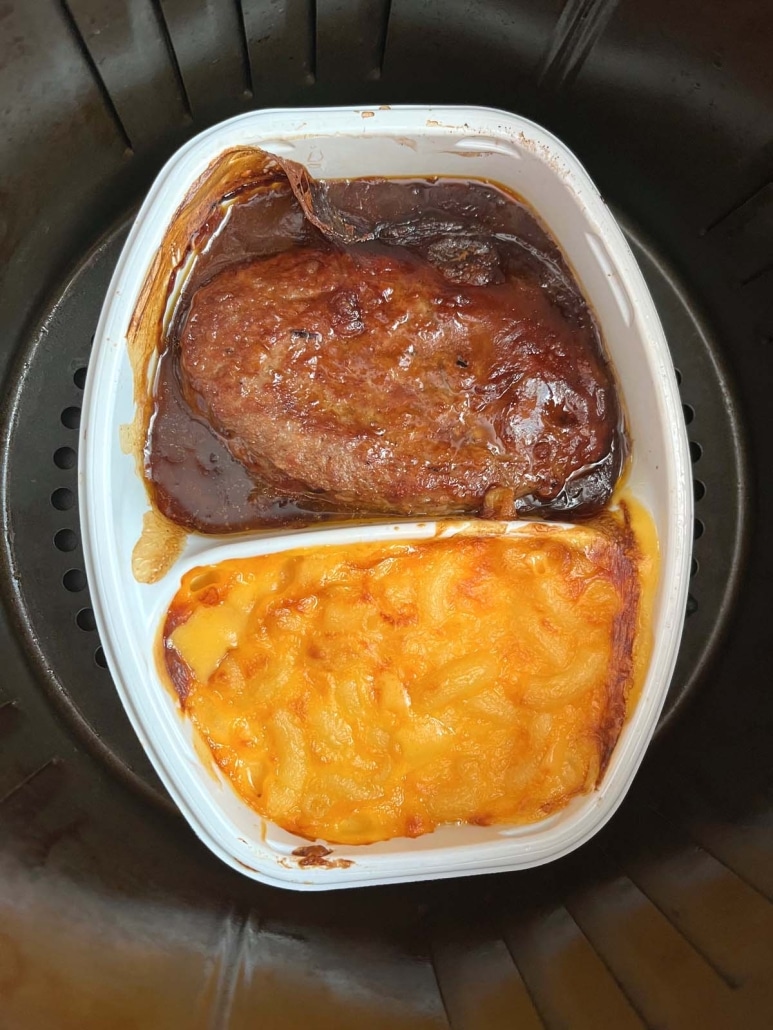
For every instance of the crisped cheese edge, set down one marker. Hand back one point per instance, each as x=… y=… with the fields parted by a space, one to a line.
x=628 y=509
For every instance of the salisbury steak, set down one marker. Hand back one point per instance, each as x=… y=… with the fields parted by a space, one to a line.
x=371 y=377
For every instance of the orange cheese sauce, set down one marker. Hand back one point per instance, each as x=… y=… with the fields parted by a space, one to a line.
x=357 y=693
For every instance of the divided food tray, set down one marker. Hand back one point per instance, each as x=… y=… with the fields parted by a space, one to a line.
x=349 y=142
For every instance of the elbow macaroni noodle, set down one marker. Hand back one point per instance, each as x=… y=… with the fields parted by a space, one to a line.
x=363 y=692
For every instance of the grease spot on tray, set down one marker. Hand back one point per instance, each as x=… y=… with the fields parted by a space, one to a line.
x=315 y=855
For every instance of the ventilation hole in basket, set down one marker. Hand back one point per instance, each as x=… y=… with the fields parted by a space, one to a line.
x=692 y=605
x=99 y=658
x=65 y=458
x=689 y=413
x=71 y=418
x=695 y=451
x=74 y=580
x=79 y=377
x=65 y=540
x=699 y=489
x=85 y=620
x=694 y=567
x=63 y=499
x=678 y=375
x=698 y=529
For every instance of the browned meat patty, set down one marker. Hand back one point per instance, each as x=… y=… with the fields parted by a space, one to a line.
x=370 y=377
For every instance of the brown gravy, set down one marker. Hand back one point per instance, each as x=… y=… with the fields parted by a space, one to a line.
x=194 y=479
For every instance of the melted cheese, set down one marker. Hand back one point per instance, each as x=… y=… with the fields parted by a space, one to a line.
x=359 y=693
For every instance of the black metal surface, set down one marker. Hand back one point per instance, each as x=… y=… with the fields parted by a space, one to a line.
x=111 y=913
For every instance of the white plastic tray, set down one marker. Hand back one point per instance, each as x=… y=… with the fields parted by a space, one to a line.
x=350 y=142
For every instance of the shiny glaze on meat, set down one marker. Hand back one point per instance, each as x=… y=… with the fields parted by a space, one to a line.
x=449 y=362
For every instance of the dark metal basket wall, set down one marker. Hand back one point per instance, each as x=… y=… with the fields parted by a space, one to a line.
x=112 y=914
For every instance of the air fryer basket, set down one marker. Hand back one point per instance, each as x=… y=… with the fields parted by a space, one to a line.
x=111 y=912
